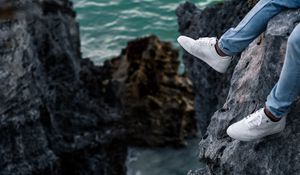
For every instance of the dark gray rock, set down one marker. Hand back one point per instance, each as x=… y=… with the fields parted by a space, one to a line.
x=211 y=87
x=254 y=76
x=54 y=118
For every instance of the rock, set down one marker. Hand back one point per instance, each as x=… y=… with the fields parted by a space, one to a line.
x=254 y=76
x=157 y=102
x=54 y=118
x=252 y=2
x=210 y=87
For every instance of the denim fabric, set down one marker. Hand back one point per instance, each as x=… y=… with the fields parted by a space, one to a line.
x=287 y=88
x=235 y=40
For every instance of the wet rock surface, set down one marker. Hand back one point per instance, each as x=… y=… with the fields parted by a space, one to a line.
x=210 y=87
x=157 y=102
x=255 y=74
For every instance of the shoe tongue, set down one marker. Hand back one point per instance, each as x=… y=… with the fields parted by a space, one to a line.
x=213 y=40
x=255 y=121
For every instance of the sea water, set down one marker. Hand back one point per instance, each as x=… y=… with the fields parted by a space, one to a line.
x=107 y=25
x=105 y=28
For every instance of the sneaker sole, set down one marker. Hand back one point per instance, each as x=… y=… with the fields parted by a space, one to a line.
x=249 y=140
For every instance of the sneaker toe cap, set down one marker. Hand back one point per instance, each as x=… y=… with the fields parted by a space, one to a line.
x=185 y=41
x=230 y=131
x=235 y=132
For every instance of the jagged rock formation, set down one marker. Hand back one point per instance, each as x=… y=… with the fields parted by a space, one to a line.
x=254 y=76
x=53 y=119
x=157 y=101
x=211 y=87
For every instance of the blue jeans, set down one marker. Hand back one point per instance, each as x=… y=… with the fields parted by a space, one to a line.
x=235 y=40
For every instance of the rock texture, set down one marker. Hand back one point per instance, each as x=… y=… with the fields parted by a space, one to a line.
x=157 y=102
x=211 y=87
x=254 y=76
x=53 y=119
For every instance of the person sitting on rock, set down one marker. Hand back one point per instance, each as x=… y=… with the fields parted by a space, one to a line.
x=218 y=54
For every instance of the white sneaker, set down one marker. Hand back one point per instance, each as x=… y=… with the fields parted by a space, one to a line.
x=204 y=49
x=255 y=126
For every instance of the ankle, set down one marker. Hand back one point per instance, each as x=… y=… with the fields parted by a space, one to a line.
x=219 y=51
x=271 y=116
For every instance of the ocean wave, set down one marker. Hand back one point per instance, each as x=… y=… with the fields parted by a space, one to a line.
x=106 y=26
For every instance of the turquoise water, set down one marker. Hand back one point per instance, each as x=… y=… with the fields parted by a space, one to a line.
x=107 y=25
x=164 y=161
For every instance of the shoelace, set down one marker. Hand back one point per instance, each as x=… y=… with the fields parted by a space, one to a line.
x=207 y=42
x=254 y=120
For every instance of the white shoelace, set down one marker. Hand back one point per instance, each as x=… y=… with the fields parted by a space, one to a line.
x=207 y=42
x=254 y=120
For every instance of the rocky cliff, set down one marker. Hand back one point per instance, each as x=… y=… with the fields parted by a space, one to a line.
x=52 y=119
x=255 y=74
x=61 y=114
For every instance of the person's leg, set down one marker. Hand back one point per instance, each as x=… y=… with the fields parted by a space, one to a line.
x=284 y=93
x=287 y=88
x=235 y=40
